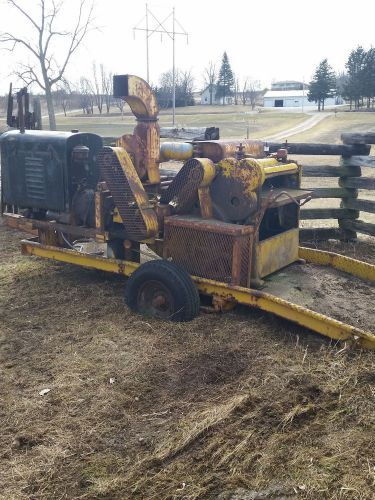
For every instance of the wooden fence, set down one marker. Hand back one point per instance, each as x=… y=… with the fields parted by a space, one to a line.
x=353 y=155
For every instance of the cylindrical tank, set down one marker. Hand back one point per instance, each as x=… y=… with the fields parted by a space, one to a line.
x=176 y=151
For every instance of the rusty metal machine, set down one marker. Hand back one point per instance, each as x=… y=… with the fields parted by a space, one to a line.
x=228 y=217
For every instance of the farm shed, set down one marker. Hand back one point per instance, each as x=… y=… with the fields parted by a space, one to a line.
x=292 y=99
x=205 y=97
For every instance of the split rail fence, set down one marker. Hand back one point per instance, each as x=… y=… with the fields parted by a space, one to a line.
x=353 y=154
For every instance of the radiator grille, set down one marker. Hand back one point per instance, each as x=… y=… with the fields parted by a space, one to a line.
x=35 y=178
x=210 y=249
x=123 y=190
x=183 y=191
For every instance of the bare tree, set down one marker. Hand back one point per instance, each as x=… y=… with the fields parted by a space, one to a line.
x=185 y=88
x=252 y=92
x=87 y=96
x=98 y=89
x=236 y=91
x=210 y=76
x=107 y=86
x=41 y=45
x=62 y=95
x=244 y=92
x=120 y=104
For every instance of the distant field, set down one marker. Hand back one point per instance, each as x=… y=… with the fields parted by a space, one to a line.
x=233 y=121
x=330 y=129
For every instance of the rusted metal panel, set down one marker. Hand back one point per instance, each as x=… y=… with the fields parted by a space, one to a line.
x=217 y=150
x=148 y=133
x=209 y=248
x=205 y=202
x=135 y=147
x=234 y=188
x=19 y=222
x=137 y=93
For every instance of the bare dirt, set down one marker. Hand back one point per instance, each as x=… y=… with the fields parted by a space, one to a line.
x=236 y=406
x=326 y=291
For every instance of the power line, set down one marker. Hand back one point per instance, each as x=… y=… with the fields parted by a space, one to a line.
x=160 y=27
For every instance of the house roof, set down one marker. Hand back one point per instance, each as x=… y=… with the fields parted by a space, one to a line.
x=208 y=86
x=285 y=93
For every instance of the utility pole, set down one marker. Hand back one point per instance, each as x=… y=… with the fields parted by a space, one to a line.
x=160 y=27
x=147 y=58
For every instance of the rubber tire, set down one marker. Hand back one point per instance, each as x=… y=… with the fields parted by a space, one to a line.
x=173 y=277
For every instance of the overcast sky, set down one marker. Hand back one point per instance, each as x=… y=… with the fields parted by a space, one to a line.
x=265 y=40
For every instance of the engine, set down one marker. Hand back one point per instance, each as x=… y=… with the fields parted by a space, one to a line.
x=51 y=175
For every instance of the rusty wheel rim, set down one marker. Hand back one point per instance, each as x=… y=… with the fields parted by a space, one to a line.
x=155 y=299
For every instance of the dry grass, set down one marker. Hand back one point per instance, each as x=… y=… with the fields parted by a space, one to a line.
x=197 y=410
x=331 y=128
x=233 y=121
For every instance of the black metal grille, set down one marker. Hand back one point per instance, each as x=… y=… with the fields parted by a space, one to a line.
x=35 y=178
x=210 y=249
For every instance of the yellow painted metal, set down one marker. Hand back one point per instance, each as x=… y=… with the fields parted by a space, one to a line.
x=176 y=151
x=137 y=189
x=221 y=292
x=281 y=168
x=123 y=267
x=267 y=162
x=276 y=252
x=355 y=267
x=116 y=216
x=209 y=171
x=246 y=171
x=317 y=322
x=205 y=202
x=141 y=98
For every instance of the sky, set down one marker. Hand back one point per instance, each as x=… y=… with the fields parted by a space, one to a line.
x=266 y=40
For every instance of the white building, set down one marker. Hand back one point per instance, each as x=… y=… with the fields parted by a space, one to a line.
x=294 y=99
x=206 y=98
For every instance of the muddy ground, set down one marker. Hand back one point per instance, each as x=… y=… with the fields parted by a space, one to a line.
x=242 y=405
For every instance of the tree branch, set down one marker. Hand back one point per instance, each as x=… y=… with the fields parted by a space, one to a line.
x=78 y=35
x=24 y=13
x=8 y=37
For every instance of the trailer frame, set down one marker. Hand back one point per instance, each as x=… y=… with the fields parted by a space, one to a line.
x=225 y=295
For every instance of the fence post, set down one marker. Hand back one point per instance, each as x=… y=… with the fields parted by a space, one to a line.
x=349 y=164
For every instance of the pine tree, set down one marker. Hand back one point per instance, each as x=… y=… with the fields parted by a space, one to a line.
x=322 y=85
x=225 y=82
x=368 y=83
x=354 y=88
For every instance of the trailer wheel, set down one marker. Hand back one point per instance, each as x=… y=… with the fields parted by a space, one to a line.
x=162 y=289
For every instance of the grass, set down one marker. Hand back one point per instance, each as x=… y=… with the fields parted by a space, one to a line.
x=330 y=129
x=233 y=121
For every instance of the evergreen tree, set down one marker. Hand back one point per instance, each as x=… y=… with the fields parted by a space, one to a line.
x=368 y=83
x=322 y=85
x=225 y=82
x=354 y=88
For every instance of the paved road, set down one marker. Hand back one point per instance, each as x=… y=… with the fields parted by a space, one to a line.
x=301 y=127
